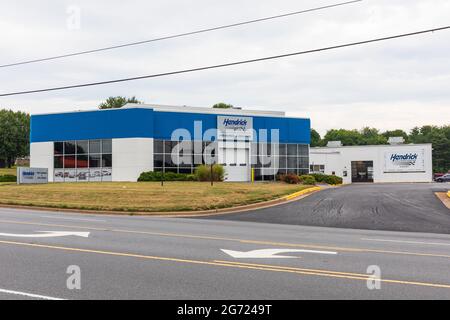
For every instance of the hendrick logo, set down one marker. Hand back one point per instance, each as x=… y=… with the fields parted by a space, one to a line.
x=236 y=124
x=407 y=159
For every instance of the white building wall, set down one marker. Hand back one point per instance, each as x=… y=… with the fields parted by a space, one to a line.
x=131 y=157
x=339 y=160
x=41 y=156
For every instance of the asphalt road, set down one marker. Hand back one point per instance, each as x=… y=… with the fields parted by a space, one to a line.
x=409 y=207
x=173 y=258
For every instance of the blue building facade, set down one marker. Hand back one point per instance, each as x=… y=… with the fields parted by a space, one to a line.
x=118 y=144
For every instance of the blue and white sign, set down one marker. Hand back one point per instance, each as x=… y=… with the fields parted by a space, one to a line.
x=32 y=175
x=409 y=161
x=235 y=126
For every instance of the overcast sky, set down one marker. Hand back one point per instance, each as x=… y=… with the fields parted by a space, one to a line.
x=395 y=84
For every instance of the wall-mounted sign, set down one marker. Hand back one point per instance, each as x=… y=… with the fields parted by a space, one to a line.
x=235 y=126
x=32 y=175
x=404 y=161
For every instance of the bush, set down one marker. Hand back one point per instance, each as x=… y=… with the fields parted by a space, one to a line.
x=203 y=172
x=289 y=178
x=8 y=178
x=307 y=179
x=168 y=176
x=330 y=179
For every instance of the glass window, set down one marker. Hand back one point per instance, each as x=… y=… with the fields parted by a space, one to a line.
x=158 y=146
x=69 y=161
x=168 y=146
x=82 y=161
x=58 y=148
x=282 y=162
x=282 y=149
x=95 y=160
x=303 y=150
x=292 y=150
x=106 y=160
x=69 y=147
x=158 y=160
x=303 y=162
x=95 y=146
x=82 y=147
x=58 y=162
x=107 y=146
x=168 y=161
x=291 y=162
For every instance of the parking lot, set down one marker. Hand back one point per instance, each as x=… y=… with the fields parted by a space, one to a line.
x=397 y=207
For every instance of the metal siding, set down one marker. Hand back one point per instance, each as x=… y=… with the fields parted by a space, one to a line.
x=145 y=123
x=118 y=123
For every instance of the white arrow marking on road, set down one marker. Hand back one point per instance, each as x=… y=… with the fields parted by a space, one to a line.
x=269 y=253
x=47 y=234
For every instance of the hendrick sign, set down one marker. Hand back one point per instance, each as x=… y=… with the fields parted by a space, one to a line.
x=409 y=161
x=32 y=175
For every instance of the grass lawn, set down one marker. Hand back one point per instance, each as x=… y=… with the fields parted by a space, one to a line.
x=4 y=171
x=143 y=196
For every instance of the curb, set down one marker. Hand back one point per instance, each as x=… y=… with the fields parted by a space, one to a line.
x=175 y=214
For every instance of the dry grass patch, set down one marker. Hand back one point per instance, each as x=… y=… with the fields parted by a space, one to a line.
x=143 y=196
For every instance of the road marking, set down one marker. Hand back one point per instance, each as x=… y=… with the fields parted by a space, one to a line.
x=407 y=241
x=261 y=242
x=47 y=234
x=75 y=219
x=269 y=253
x=30 y=295
x=231 y=264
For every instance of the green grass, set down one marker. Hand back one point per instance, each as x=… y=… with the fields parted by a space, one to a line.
x=143 y=196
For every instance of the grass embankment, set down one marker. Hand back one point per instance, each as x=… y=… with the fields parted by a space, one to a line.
x=143 y=196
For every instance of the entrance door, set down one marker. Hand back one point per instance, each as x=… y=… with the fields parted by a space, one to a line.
x=362 y=171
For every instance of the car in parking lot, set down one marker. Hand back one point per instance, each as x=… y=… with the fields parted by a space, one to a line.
x=443 y=178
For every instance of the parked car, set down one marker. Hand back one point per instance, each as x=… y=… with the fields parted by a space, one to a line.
x=443 y=178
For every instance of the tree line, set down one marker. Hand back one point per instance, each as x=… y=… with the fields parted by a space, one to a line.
x=438 y=136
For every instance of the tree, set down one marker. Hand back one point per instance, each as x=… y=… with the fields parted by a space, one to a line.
x=315 y=138
x=396 y=133
x=371 y=136
x=347 y=137
x=117 y=102
x=222 y=105
x=14 y=136
x=440 y=138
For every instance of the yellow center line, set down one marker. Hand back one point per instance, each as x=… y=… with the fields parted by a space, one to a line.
x=262 y=242
x=231 y=264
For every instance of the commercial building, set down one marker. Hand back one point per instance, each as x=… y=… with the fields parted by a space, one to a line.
x=120 y=144
x=378 y=163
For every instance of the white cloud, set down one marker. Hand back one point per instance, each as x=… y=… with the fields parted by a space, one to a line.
x=395 y=84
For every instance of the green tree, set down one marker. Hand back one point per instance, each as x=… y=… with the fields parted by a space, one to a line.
x=347 y=137
x=440 y=138
x=371 y=136
x=315 y=138
x=222 y=105
x=14 y=136
x=117 y=102
x=396 y=133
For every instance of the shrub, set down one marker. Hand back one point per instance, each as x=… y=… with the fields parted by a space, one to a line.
x=168 y=176
x=290 y=178
x=307 y=179
x=330 y=179
x=8 y=178
x=203 y=172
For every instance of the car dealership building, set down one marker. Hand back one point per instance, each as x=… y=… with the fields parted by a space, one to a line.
x=396 y=162
x=120 y=144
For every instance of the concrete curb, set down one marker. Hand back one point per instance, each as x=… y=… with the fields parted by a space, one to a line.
x=254 y=206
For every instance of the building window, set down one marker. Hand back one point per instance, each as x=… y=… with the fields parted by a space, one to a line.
x=283 y=158
x=188 y=155
x=317 y=168
x=83 y=160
